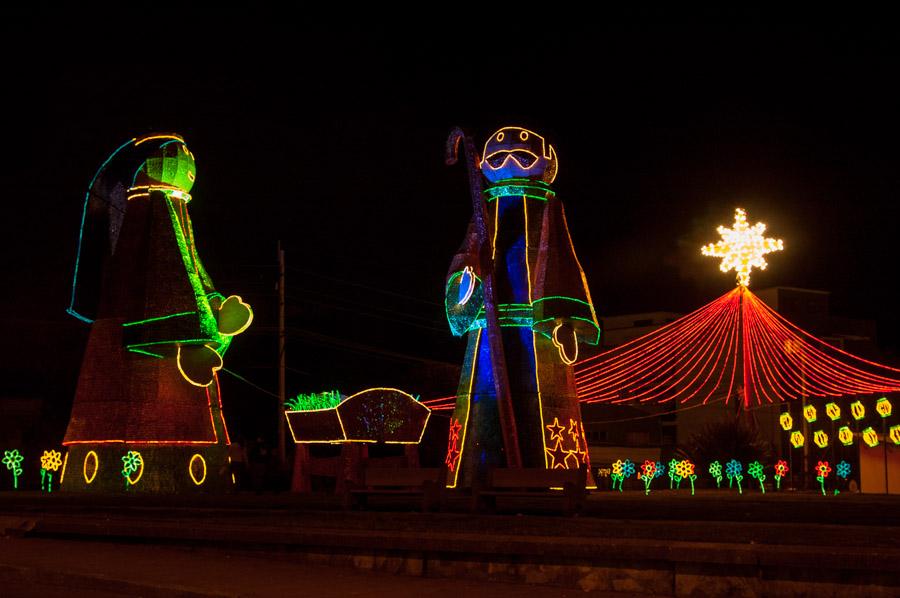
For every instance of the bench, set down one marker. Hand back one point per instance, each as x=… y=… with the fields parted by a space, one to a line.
x=564 y=485
x=425 y=482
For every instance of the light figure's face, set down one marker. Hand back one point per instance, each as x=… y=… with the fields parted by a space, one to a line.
x=514 y=152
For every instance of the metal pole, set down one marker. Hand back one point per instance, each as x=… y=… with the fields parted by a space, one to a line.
x=281 y=364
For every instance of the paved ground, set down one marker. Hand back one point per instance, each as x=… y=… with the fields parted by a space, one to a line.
x=258 y=545
x=60 y=568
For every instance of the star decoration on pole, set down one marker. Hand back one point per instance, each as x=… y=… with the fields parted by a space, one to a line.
x=742 y=247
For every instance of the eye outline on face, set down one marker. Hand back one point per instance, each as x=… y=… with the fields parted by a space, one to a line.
x=500 y=136
x=511 y=154
x=523 y=135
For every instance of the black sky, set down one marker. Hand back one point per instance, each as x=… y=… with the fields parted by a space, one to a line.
x=331 y=139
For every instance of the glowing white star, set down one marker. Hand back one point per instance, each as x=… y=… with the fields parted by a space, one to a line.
x=742 y=247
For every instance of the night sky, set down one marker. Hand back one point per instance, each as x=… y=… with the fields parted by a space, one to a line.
x=332 y=140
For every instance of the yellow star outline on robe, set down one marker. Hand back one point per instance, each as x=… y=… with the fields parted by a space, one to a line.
x=742 y=247
x=556 y=430
x=574 y=432
x=558 y=456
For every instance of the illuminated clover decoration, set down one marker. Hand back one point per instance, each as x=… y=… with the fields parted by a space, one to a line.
x=781 y=468
x=687 y=472
x=50 y=462
x=715 y=470
x=131 y=462
x=648 y=472
x=733 y=470
x=742 y=248
x=13 y=461
x=843 y=470
x=822 y=469
x=755 y=471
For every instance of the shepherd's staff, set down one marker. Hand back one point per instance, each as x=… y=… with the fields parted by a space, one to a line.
x=485 y=257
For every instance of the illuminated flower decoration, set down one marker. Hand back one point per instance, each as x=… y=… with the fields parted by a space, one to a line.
x=822 y=469
x=648 y=469
x=660 y=469
x=680 y=469
x=743 y=247
x=51 y=460
x=755 y=470
x=843 y=470
x=715 y=470
x=781 y=468
x=13 y=461
x=733 y=468
x=131 y=462
x=617 y=467
x=688 y=467
x=627 y=468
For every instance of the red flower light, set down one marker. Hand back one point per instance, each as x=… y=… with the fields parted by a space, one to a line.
x=823 y=469
x=781 y=467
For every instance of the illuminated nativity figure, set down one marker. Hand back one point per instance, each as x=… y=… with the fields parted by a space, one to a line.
x=147 y=413
x=517 y=268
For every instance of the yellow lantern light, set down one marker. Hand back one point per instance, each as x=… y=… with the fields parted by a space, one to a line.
x=833 y=411
x=870 y=436
x=895 y=434
x=883 y=407
x=786 y=421
x=857 y=410
x=845 y=435
x=797 y=439
x=820 y=438
x=809 y=412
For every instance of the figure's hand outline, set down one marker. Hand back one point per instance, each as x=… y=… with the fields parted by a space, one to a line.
x=239 y=316
x=466 y=281
x=564 y=334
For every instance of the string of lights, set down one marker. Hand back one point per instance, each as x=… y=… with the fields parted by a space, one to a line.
x=737 y=340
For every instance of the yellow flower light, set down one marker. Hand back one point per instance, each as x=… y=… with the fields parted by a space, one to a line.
x=742 y=247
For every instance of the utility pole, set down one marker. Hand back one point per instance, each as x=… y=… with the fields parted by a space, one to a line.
x=281 y=364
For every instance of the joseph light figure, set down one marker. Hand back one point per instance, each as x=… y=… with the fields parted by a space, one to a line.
x=544 y=312
x=147 y=413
